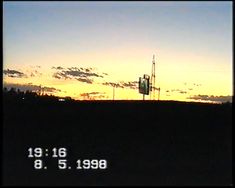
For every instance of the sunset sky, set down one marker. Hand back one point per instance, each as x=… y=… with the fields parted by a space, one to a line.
x=80 y=49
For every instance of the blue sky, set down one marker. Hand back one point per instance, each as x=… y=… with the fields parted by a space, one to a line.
x=208 y=25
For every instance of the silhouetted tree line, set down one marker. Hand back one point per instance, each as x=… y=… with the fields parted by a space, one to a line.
x=16 y=94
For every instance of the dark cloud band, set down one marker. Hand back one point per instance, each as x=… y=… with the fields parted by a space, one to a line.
x=211 y=98
x=14 y=73
x=81 y=74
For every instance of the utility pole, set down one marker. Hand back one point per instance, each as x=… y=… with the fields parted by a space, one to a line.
x=152 y=95
x=113 y=91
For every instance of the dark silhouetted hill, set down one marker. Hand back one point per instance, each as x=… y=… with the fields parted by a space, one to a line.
x=145 y=142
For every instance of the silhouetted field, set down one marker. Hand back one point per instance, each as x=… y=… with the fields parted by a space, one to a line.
x=144 y=142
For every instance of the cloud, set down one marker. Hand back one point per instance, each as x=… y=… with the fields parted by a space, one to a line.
x=36 y=66
x=192 y=84
x=32 y=71
x=168 y=92
x=86 y=80
x=93 y=95
x=30 y=87
x=58 y=68
x=50 y=89
x=112 y=84
x=182 y=92
x=211 y=98
x=131 y=85
x=14 y=73
x=35 y=73
x=179 y=91
x=122 y=84
x=195 y=84
x=81 y=74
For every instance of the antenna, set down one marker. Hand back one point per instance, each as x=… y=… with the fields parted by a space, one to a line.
x=152 y=95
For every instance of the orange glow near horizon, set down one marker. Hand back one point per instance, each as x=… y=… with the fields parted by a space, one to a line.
x=119 y=45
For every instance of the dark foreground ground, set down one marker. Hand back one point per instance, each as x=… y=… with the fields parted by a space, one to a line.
x=145 y=143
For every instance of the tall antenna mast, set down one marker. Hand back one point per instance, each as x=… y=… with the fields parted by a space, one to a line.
x=153 y=79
